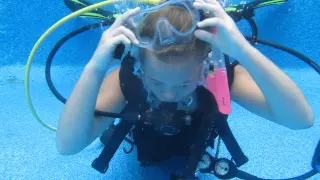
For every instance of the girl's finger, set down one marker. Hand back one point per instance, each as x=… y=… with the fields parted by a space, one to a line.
x=124 y=17
x=127 y=32
x=214 y=8
x=204 y=35
x=211 y=22
x=122 y=39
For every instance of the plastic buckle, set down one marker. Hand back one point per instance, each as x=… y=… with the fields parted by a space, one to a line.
x=99 y=166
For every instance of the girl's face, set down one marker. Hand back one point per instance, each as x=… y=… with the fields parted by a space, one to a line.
x=171 y=82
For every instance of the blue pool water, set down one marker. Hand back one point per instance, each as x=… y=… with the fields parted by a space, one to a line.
x=27 y=150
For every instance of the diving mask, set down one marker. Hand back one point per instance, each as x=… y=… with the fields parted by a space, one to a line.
x=166 y=34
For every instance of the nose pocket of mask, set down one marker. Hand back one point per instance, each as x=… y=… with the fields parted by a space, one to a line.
x=165 y=33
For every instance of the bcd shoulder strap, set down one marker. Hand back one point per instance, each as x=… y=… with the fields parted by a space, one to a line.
x=114 y=135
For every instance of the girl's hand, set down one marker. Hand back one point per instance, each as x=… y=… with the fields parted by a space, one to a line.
x=111 y=38
x=225 y=35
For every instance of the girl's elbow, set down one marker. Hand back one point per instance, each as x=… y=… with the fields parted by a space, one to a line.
x=66 y=150
x=309 y=120
x=304 y=122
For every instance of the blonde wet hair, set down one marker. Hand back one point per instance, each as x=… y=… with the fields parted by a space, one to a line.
x=182 y=20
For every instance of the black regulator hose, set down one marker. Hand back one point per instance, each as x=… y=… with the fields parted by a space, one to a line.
x=315 y=164
x=54 y=51
x=302 y=177
x=254 y=39
x=254 y=29
x=247 y=176
x=304 y=58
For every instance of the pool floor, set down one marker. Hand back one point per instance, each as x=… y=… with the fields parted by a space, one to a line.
x=28 y=150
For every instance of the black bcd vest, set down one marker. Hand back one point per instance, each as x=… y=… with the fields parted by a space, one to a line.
x=152 y=147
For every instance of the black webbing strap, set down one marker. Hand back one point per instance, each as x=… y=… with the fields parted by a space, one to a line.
x=116 y=136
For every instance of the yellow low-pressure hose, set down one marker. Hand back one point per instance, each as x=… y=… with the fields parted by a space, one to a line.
x=38 y=43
